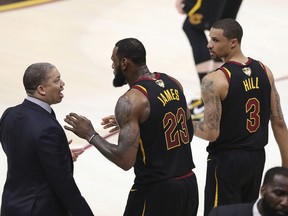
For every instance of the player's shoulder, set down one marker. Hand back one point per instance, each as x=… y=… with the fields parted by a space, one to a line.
x=214 y=75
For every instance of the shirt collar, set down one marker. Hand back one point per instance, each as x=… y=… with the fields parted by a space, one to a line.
x=255 y=209
x=41 y=103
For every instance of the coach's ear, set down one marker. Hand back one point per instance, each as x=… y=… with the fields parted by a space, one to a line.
x=41 y=90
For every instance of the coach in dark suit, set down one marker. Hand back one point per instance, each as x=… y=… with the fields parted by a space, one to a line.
x=40 y=168
x=273 y=201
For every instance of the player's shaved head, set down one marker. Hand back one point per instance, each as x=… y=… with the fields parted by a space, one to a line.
x=133 y=49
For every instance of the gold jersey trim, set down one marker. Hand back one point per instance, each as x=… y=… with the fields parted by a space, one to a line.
x=22 y=4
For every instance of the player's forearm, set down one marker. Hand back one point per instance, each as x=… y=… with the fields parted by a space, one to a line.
x=203 y=131
x=112 y=152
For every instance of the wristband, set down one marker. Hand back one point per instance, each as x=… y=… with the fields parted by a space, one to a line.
x=90 y=139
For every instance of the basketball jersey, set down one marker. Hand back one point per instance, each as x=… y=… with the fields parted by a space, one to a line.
x=164 y=150
x=246 y=109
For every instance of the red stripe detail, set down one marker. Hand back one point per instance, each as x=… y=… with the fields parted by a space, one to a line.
x=190 y=173
x=263 y=66
x=238 y=63
x=140 y=89
x=226 y=74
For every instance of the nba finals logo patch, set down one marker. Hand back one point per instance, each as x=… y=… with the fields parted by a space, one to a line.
x=247 y=71
x=160 y=83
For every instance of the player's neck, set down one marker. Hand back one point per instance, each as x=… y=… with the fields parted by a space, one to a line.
x=239 y=57
x=143 y=71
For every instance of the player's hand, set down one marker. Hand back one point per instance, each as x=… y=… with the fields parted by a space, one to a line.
x=110 y=121
x=79 y=125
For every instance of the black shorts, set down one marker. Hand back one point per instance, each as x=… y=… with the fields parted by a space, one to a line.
x=173 y=197
x=233 y=176
x=203 y=14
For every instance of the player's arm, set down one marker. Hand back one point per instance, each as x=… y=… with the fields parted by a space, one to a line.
x=213 y=88
x=127 y=113
x=277 y=121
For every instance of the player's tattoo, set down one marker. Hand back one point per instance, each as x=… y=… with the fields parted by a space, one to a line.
x=123 y=111
x=213 y=108
x=277 y=99
x=217 y=112
x=198 y=126
x=207 y=86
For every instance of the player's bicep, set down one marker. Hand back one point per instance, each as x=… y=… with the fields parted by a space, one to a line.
x=127 y=121
x=129 y=135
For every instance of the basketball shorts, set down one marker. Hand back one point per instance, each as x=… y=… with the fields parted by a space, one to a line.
x=173 y=197
x=233 y=176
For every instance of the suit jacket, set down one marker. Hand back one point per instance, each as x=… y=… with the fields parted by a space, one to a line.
x=242 y=209
x=40 y=168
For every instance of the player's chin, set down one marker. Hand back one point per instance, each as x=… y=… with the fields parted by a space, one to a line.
x=213 y=56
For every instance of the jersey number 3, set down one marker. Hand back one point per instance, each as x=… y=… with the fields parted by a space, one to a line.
x=253 y=121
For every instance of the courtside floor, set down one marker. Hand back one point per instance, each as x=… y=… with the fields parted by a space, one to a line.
x=78 y=38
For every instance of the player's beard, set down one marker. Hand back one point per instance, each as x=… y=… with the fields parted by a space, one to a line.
x=268 y=210
x=119 y=79
x=216 y=58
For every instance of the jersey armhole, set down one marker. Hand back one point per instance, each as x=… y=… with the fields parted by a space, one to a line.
x=263 y=66
x=227 y=73
x=141 y=89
